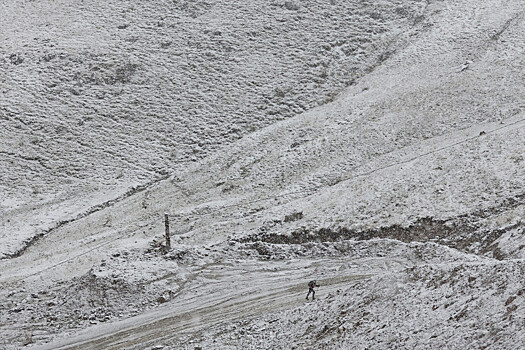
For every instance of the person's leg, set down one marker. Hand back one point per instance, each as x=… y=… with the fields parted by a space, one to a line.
x=309 y=291
x=313 y=294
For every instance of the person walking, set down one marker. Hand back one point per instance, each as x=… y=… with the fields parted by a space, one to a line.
x=311 y=286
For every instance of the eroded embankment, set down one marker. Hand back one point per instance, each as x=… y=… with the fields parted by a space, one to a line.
x=96 y=208
x=466 y=233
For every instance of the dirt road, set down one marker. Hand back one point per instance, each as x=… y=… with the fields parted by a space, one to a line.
x=223 y=293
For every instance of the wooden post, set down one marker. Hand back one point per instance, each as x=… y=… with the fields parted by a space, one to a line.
x=167 y=226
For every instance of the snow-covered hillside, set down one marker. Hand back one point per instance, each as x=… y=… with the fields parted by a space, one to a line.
x=99 y=97
x=377 y=147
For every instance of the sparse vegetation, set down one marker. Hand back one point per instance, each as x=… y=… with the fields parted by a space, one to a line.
x=376 y=146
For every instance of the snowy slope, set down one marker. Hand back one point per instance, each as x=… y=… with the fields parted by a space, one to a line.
x=432 y=307
x=403 y=196
x=98 y=97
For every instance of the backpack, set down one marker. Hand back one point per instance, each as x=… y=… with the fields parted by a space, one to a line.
x=311 y=284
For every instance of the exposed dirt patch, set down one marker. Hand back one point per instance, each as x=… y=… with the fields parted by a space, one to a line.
x=465 y=233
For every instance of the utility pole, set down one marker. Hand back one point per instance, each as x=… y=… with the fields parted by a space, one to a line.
x=167 y=230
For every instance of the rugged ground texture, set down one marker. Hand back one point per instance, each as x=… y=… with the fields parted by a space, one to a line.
x=431 y=307
x=100 y=96
x=374 y=146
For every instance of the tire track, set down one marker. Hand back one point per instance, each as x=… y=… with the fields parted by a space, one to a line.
x=287 y=290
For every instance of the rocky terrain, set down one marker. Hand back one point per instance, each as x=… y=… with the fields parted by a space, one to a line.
x=377 y=147
x=99 y=97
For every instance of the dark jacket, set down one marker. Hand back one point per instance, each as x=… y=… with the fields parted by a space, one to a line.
x=312 y=284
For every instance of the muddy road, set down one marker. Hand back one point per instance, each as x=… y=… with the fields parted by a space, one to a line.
x=226 y=292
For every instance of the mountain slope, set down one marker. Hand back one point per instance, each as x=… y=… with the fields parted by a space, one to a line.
x=99 y=97
x=410 y=179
